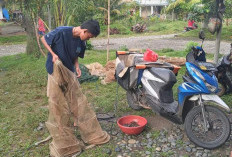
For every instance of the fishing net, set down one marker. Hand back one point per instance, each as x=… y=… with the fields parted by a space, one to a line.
x=215 y=15
x=68 y=105
x=85 y=75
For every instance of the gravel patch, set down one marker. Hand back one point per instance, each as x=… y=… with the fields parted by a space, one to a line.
x=171 y=143
x=157 y=42
x=6 y=50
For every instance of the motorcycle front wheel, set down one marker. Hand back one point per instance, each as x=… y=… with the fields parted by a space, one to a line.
x=132 y=100
x=218 y=129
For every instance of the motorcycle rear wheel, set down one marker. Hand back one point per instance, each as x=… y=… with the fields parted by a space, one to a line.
x=218 y=131
x=133 y=100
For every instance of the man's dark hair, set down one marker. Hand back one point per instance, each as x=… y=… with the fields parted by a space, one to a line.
x=92 y=26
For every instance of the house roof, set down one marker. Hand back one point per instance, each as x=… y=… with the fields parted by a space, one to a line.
x=152 y=2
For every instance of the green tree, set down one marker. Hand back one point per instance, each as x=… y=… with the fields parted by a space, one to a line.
x=184 y=7
x=228 y=12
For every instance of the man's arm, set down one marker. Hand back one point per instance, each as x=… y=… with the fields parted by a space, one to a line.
x=77 y=68
x=54 y=56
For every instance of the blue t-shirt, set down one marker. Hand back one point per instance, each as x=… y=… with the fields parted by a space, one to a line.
x=65 y=46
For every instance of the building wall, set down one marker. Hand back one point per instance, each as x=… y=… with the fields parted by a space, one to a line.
x=153 y=2
x=147 y=10
x=126 y=0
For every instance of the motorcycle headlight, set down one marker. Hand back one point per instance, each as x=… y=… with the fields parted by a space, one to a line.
x=203 y=67
x=210 y=87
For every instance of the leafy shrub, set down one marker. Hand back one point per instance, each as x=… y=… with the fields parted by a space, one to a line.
x=190 y=45
x=122 y=27
x=167 y=50
x=89 y=46
x=123 y=48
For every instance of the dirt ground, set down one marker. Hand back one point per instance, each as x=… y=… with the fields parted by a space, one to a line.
x=142 y=42
x=11 y=29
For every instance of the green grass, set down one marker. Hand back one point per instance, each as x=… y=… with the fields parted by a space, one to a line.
x=5 y=23
x=158 y=27
x=23 y=99
x=166 y=27
x=226 y=34
x=14 y=39
x=155 y=27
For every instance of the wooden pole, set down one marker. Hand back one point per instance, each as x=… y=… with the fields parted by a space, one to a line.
x=108 y=42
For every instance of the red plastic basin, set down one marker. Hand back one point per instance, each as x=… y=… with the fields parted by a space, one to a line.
x=141 y=121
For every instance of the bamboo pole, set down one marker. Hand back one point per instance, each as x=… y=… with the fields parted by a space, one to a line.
x=108 y=41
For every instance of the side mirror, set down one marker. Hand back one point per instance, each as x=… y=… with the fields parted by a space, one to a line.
x=202 y=35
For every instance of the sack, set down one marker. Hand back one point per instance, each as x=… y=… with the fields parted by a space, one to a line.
x=150 y=56
x=214 y=25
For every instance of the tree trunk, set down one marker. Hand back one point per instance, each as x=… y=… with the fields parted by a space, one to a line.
x=218 y=40
x=28 y=25
x=49 y=18
x=37 y=35
x=227 y=22
x=173 y=16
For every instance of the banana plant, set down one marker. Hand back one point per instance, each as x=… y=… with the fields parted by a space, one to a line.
x=59 y=12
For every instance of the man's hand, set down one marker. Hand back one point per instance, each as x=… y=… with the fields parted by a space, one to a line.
x=54 y=58
x=78 y=72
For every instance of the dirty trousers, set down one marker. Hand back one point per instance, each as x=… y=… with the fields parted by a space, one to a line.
x=68 y=105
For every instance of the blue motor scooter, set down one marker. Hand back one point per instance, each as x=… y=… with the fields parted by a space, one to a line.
x=149 y=85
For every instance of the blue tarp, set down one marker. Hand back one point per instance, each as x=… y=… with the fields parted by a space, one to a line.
x=5 y=14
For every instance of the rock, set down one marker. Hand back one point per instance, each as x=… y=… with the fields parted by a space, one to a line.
x=132 y=141
x=114 y=133
x=188 y=149
x=127 y=151
x=147 y=153
x=143 y=144
x=158 y=149
x=124 y=154
x=198 y=154
x=194 y=150
x=40 y=127
x=150 y=143
x=117 y=149
x=173 y=144
x=207 y=151
x=205 y=155
x=123 y=141
x=192 y=146
x=200 y=148
x=148 y=135
x=108 y=151
x=119 y=155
